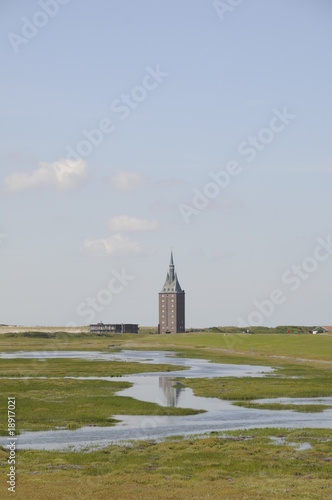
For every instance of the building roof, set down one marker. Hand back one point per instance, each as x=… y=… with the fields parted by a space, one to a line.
x=327 y=328
x=171 y=284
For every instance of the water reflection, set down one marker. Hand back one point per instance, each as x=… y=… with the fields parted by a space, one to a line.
x=162 y=389
x=171 y=390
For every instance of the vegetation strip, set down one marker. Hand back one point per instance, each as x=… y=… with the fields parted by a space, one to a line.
x=241 y=464
x=63 y=367
x=305 y=408
x=70 y=404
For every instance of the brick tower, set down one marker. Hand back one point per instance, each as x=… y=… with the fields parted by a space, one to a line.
x=171 y=304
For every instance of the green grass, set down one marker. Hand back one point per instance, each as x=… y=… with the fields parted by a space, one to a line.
x=76 y=368
x=216 y=346
x=305 y=408
x=48 y=404
x=306 y=375
x=294 y=381
x=235 y=465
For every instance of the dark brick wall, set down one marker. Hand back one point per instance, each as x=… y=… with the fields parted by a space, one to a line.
x=171 y=312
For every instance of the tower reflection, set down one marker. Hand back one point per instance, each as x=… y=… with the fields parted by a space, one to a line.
x=170 y=389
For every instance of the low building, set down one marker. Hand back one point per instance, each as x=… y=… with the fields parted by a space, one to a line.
x=115 y=328
x=322 y=329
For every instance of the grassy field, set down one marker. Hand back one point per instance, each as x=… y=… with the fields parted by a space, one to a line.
x=214 y=345
x=76 y=368
x=49 y=404
x=305 y=408
x=242 y=465
x=236 y=465
x=56 y=401
x=294 y=381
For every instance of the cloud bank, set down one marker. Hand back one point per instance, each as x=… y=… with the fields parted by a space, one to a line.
x=125 y=223
x=116 y=245
x=126 y=181
x=62 y=174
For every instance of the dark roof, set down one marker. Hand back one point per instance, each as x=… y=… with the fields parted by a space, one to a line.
x=171 y=284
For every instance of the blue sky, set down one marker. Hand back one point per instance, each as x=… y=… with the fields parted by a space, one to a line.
x=176 y=87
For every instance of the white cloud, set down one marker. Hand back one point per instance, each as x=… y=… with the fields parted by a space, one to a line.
x=63 y=174
x=116 y=245
x=126 y=181
x=124 y=223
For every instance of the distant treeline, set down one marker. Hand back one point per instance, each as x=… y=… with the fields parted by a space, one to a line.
x=214 y=329
x=262 y=329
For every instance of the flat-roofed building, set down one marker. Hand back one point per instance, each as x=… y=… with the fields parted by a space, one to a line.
x=115 y=328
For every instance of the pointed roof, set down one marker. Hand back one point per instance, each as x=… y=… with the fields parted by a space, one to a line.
x=171 y=262
x=171 y=284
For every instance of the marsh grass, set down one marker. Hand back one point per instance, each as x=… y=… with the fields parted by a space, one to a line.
x=308 y=378
x=76 y=368
x=45 y=404
x=297 y=381
x=305 y=408
x=221 y=345
x=237 y=465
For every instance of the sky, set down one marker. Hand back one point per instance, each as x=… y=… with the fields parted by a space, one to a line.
x=132 y=127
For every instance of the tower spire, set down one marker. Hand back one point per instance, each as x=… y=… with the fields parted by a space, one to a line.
x=171 y=284
x=171 y=303
x=171 y=268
